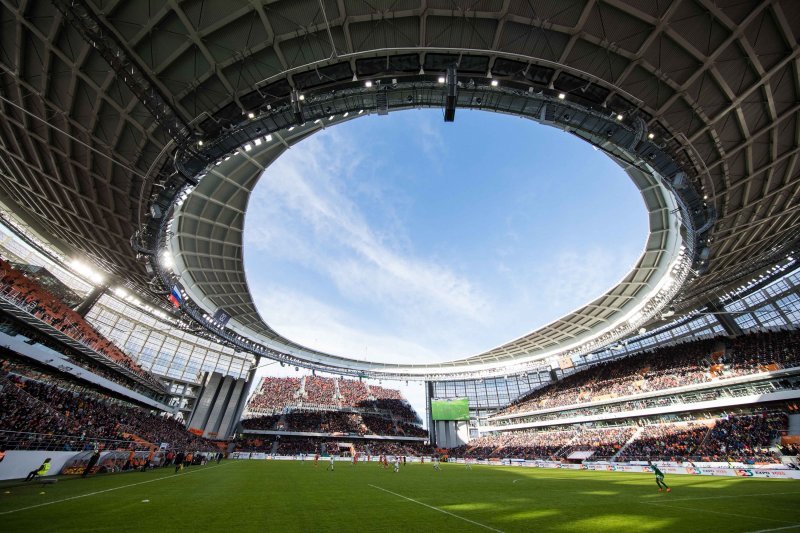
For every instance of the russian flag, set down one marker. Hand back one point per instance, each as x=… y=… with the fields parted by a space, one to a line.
x=175 y=297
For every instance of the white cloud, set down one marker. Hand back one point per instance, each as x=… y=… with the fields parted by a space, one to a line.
x=301 y=201
x=319 y=213
x=320 y=326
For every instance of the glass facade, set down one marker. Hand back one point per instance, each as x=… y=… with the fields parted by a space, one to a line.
x=161 y=349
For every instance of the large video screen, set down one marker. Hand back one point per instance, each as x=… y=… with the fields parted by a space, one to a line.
x=455 y=409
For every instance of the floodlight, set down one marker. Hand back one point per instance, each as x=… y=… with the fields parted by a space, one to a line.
x=368 y=84
x=301 y=97
x=200 y=142
x=268 y=138
x=251 y=115
x=651 y=136
x=494 y=83
x=620 y=117
x=561 y=96
x=441 y=79
x=248 y=147
x=257 y=141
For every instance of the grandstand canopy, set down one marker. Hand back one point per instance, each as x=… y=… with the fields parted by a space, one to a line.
x=103 y=101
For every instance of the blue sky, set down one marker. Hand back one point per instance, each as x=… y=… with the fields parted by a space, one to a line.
x=406 y=238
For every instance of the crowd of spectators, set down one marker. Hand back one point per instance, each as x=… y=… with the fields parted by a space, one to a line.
x=673 y=442
x=276 y=395
x=665 y=368
x=320 y=391
x=334 y=422
x=770 y=350
x=744 y=438
x=604 y=442
x=49 y=408
x=27 y=294
x=353 y=392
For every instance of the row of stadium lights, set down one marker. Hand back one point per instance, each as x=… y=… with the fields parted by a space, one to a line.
x=123 y=294
x=369 y=84
x=495 y=83
x=247 y=147
x=790 y=260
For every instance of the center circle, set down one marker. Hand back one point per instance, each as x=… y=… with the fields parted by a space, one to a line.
x=406 y=239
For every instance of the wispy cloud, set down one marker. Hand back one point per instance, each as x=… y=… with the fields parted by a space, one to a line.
x=324 y=327
x=336 y=267
x=304 y=213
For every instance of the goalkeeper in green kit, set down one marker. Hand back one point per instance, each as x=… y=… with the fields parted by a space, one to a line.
x=659 y=478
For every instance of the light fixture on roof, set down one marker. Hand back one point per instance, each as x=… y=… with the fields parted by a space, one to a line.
x=200 y=142
x=651 y=135
x=368 y=84
x=257 y=141
x=620 y=116
x=251 y=115
x=121 y=292
x=301 y=97
x=561 y=96
x=268 y=138
x=248 y=147
x=494 y=83
x=441 y=79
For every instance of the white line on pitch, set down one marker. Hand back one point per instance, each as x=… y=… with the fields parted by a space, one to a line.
x=107 y=490
x=775 y=529
x=723 y=513
x=726 y=497
x=437 y=509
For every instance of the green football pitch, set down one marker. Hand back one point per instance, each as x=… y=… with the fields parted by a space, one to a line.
x=242 y=496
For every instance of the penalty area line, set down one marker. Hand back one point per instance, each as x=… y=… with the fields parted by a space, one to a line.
x=437 y=509
x=173 y=476
x=775 y=529
x=726 y=497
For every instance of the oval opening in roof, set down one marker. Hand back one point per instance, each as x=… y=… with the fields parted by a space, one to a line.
x=407 y=239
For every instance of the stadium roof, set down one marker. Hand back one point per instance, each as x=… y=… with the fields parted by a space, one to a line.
x=102 y=100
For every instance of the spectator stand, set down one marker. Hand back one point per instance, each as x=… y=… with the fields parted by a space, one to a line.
x=755 y=365
x=27 y=302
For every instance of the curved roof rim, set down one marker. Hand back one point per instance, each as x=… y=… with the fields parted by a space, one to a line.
x=476 y=363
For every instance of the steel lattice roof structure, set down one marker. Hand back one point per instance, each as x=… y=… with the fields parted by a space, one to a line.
x=104 y=106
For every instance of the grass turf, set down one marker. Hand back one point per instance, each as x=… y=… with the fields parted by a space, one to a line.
x=242 y=496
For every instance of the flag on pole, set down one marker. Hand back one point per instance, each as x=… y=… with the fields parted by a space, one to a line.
x=175 y=297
